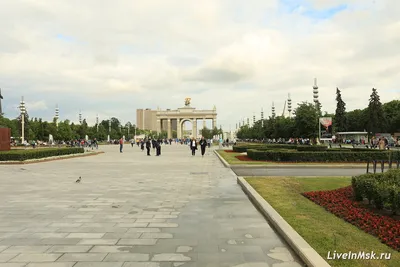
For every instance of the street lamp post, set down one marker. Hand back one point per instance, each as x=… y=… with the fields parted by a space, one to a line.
x=23 y=111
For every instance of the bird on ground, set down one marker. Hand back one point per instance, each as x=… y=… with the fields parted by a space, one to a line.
x=79 y=180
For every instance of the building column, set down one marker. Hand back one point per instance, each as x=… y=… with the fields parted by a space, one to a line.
x=178 y=128
x=214 y=123
x=169 y=129
x=158 y=126
x=194 y=128
x=204 y=123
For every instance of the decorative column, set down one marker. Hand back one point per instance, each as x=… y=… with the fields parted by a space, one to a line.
x=204 y=123
x=158 y=126
x=214 y=123
x=169 y=129
x=178 y=128
x=194 y=128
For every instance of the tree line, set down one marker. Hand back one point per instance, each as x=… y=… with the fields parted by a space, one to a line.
x=38 y=129
x=375 y=118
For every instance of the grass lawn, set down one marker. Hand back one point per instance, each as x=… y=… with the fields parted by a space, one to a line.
x=321 y=229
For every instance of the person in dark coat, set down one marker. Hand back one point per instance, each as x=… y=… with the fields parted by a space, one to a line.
x=148 y=146
x=142 y=145
x=158 y=147
x=193 y=146
x=203 y=144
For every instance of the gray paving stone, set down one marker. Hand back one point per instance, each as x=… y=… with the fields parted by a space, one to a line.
x=4 y=257
x=9 y=264
x=98 y=241
x=142 y=264
x=26 y=249
x=141 y=242
x=69 y=249
x=144 y=230
x=132 y=225
x=123 y=257
x=99 y=264
x=69 y=257
x=127 y=199
x=171 y=257
x=86 y=235
x=163 y=225
x=156 y=235
x=39 y=257
x=51 y=264
x=112 y=249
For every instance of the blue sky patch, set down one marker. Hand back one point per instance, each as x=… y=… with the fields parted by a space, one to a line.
x=65 y=38
x=304 y=8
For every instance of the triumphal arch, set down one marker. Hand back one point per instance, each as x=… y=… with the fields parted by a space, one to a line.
x=179 y=116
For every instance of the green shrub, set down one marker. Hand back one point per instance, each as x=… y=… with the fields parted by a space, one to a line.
x=321 y=156
x=312 y=148
x=25 y=154
x=244 y=147
x=381 y=189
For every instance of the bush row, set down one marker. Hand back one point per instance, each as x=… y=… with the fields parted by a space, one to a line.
x=322 y=156
x=24 y=154
x=381 y=189
x=243 y=148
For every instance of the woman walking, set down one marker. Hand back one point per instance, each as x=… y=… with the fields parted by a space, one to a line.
x=203 y=144
x=193 y=146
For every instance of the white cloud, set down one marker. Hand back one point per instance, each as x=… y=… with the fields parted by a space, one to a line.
x=111 y=57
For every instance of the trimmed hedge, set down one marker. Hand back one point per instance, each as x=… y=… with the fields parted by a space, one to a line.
x=311 y=148
x=25 y=154
x=381 y=189
x=243 y=148
x=322 y=156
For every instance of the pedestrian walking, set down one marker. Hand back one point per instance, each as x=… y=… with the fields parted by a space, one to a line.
x=158 y=147
x=203 y=144
x=121 y=144
x=193 y=146
x=148 y=146
x=142 y=145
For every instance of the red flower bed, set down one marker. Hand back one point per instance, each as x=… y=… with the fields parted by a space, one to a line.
x=340 y=202
x=244 y=158
x=230 y=151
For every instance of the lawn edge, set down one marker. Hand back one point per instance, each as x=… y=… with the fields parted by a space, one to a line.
x=79 y=155
x=295 y=241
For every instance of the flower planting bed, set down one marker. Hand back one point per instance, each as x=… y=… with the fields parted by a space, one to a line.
x=341 y=203
x=230 y=151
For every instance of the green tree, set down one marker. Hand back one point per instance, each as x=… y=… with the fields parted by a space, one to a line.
x=376 y=117
x=340 y=121
x=207 y=133
x=392 y=113
x=306 y=120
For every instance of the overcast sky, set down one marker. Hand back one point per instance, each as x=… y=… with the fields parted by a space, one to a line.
x=110 y=57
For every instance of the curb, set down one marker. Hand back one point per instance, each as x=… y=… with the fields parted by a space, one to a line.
x=226 y=164
x=310 y=257
x=283 y=165
x=51 y=159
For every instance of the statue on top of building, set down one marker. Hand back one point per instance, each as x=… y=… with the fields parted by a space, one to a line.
x=187 y=101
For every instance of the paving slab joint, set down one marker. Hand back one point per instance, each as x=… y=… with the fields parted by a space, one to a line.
x=310 y=257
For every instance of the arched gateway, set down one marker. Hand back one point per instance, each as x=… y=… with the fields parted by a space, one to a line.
x=186 y=113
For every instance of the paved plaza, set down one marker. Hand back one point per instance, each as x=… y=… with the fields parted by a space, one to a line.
x=132 y=210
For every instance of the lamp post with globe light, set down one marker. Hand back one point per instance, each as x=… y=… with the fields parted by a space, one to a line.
x=22 y=108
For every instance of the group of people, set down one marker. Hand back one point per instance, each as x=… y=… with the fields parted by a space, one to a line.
x=149 y=143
